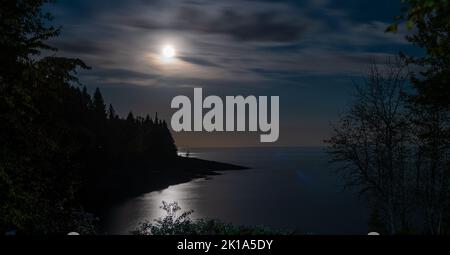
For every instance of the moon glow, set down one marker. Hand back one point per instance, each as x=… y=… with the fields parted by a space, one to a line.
x=168 y=52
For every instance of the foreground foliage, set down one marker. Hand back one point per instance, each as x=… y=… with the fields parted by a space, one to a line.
x=177 y=222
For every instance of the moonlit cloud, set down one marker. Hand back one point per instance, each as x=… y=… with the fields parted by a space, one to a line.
x=224 y=39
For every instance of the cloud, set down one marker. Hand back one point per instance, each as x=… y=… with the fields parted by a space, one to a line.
x=266 y=27
x=81 y=47
x=123 y=74
x=237 y=41
x=259 y=26
x=199 y=61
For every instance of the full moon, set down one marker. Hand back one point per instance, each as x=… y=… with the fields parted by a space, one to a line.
x=168 y=51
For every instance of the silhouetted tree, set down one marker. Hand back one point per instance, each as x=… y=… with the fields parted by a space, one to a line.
x=429 y=23
x=111 y=113
x=432 y=33
x=372 y=141
x=38 y=179
x=98 y=105
x=130 y=117
x=156 y=119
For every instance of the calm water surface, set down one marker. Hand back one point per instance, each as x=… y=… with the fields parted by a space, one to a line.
x=287 y=188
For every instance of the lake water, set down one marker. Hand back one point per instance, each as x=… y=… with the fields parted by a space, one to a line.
x=287 y=188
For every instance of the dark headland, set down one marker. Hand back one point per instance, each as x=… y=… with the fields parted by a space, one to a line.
x=122 y=185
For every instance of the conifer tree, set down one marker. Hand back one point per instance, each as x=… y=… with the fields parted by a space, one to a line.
x=111 y=112
x=98 y=104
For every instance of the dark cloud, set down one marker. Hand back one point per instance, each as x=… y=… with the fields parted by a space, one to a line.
x=266 y=26
x=263 y=26
x=198 y=61
x=80 y=47
x=121 y=73
x=279 y=75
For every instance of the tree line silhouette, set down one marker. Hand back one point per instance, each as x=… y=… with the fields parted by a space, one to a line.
x=61 y=149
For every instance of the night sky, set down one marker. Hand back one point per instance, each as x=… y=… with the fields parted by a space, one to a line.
x=307 y=52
